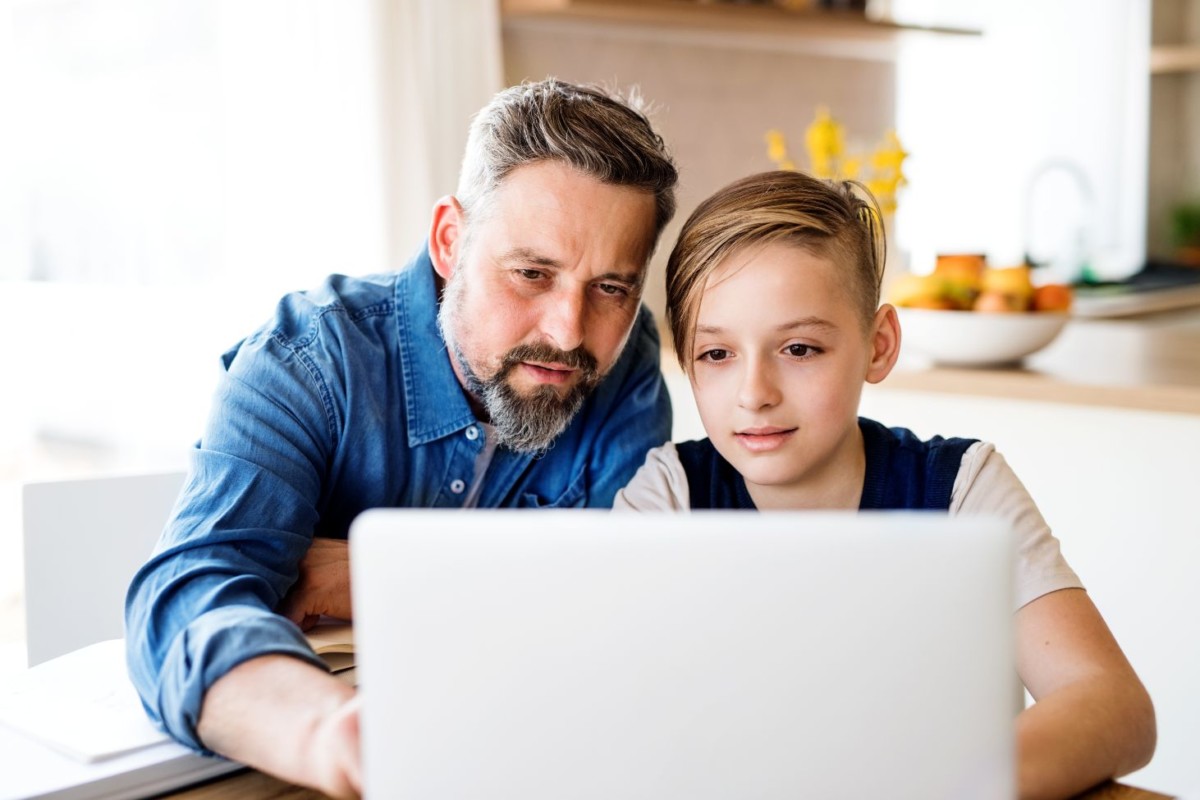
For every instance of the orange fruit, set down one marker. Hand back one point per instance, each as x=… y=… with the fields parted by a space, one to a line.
x=994 y=302
x=1052 y=297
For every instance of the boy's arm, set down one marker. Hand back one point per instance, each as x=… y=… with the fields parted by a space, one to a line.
x=1093 y=719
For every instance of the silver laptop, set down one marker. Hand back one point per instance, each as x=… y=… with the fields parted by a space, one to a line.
x=576 y=654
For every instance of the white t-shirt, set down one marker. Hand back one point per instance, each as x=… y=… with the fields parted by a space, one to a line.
x=985 y=484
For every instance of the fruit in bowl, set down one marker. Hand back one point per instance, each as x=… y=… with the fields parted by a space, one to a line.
x=975 y=316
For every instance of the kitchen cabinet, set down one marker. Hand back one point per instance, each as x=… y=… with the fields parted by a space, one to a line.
x=1174 y=141
x=1170 y=58
x=836 y=33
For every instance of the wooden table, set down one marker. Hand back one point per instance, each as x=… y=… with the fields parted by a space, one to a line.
x=251 y=785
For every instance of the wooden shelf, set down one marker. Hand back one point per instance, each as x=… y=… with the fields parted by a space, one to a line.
x=1166 y=59
x=830 y=32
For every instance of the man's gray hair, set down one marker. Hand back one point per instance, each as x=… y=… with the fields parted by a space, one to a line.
x=600 y=133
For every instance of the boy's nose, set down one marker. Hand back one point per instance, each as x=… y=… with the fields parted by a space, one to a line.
x=759 y=388
x=563 y=319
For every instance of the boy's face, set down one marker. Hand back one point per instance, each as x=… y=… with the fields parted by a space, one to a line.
x=779 y=360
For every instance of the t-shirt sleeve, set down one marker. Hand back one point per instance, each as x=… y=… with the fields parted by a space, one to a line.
x=986 y=485
x=659 y=485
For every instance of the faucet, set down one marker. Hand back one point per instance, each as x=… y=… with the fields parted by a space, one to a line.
x=1080 y=267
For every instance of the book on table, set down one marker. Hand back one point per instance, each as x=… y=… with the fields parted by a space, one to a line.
x=74 y=728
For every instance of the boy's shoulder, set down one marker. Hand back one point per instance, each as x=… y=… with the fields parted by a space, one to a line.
x=905 y=471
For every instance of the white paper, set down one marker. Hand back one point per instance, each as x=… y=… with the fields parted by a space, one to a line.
x=332 y=635
x=29 y=769
x=81 y=704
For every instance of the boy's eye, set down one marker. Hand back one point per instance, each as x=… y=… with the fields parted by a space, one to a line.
x=716 y=354
x=801 y=350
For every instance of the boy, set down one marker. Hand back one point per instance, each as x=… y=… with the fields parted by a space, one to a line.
x=773 y=300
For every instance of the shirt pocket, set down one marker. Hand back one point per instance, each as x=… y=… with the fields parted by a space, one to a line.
x=572 y=497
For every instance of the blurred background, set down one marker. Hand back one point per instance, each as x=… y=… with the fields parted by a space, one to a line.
x=169 y=168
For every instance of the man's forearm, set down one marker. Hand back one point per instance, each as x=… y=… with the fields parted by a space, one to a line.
x=287 y=718
x=1071 y=740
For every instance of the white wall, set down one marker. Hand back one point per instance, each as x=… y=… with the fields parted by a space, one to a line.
x=1118 y=489
x=1062 y=81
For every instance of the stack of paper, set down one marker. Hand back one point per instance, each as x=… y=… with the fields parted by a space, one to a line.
x=73 y=727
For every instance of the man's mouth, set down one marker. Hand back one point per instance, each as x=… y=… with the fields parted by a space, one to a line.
x=763 y=439
x=551 y=373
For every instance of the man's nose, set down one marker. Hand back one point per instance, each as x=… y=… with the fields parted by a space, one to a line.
x=759 y=388
x=563 y=319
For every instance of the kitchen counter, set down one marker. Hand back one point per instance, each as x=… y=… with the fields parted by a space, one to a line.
x=1148 y=363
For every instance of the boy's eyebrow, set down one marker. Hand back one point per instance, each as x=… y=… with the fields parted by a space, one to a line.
x=803 y=322
x=527 y=255
x=808 y=322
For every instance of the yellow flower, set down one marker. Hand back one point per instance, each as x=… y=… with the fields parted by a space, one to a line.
x=825 y=141
x=776 y=146
x=824 y=137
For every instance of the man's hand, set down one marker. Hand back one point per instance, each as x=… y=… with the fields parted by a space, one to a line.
x=323 y=587
x=289 y=719
x=336 y=759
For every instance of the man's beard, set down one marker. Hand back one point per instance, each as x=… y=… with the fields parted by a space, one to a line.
x=524 y=423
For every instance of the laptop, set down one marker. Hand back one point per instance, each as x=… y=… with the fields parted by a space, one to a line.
x=580 y=654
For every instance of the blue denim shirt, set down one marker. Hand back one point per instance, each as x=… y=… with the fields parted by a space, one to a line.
x=345 y=401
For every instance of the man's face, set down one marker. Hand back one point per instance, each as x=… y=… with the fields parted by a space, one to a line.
x=538 y=305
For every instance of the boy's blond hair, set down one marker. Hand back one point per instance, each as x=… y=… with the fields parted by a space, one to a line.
x=838 y=220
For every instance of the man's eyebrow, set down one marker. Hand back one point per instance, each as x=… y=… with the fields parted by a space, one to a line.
x=629 y=278
x=526 y=255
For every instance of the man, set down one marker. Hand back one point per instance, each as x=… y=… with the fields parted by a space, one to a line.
x=534 y=382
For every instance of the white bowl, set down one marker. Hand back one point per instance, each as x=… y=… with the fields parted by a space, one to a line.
x=974 y=338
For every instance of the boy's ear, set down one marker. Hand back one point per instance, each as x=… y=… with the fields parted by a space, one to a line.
x=446 y=230
x=885 y=343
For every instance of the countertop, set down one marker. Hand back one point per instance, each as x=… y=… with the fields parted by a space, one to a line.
x=1149 y=363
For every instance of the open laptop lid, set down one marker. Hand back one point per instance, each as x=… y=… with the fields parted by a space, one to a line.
x=544 y=654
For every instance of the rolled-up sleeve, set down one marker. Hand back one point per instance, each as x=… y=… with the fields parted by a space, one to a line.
x=205 y=601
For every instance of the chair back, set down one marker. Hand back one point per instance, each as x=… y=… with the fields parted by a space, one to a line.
x=84 y=539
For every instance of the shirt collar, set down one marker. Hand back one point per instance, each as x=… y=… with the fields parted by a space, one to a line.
x=435 y=401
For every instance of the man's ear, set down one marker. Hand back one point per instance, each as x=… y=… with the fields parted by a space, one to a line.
x=446 y=230
x=885 y=343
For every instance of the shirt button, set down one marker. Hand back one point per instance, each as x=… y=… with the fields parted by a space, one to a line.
x=472 y=433
x=457 y=486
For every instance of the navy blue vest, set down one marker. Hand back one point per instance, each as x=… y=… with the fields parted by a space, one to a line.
x=903 y=472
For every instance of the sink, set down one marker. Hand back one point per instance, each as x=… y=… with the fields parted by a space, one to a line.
x=1160 y=286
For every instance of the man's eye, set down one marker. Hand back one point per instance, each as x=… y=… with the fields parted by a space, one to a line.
x=716 y=354
x=531 y=274
x=613 y=289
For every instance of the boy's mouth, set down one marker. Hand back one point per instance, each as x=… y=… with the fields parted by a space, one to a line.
x=764 y=439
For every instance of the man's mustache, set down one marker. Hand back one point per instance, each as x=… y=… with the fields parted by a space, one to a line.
x=579 y=359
